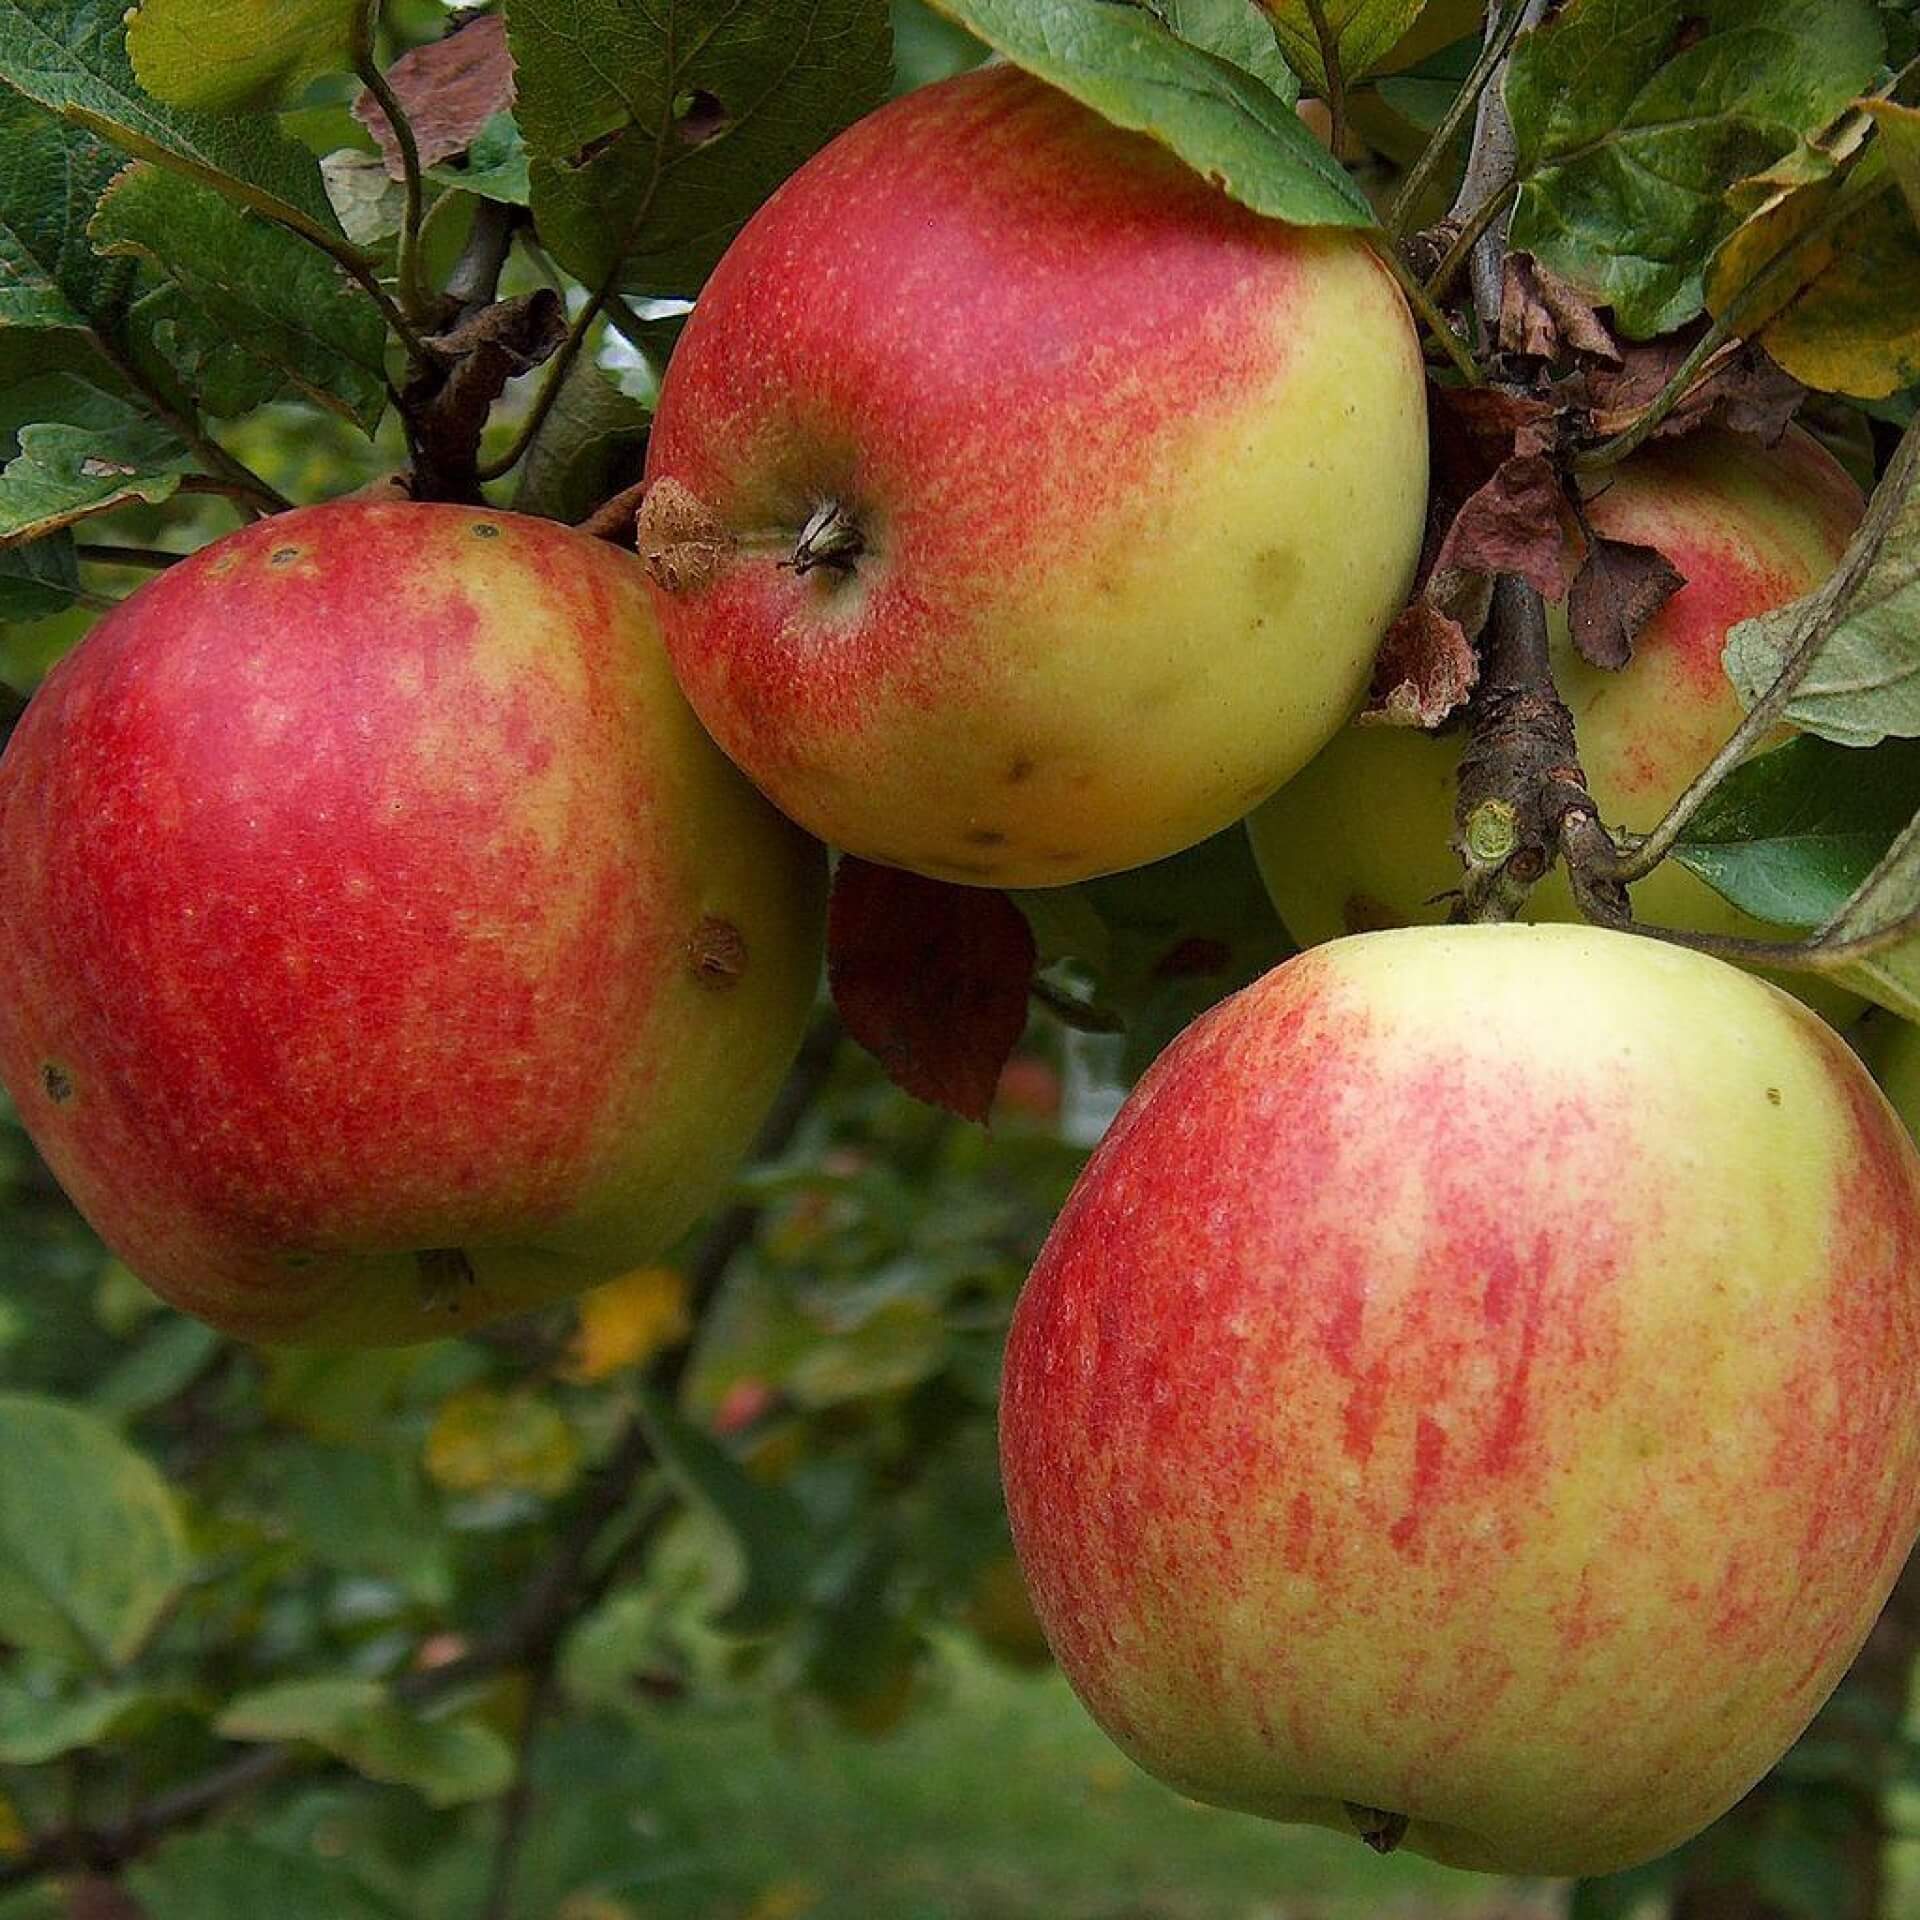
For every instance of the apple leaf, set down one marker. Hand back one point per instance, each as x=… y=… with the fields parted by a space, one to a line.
x=495 y=166
x=486 y=1440
x=1130 y=67
x=1364 y=32
x=447 y=1761
x=1621 y=585
x=68 y=469
x=34 y=1730
x=281 y=300
x=71 y=56
x=450 y=90
x=1890 y=894
x=38 y=578
x=225 y=1872
x=238 y=55
x=1900 y=137
x=767 y=1527
x=1630 y=116
x=51 y=175
x=92 y=1549
x=1424 y=670
x=656 y=129
x=1790 y=836
x=1160 y=944
x=1865 y=682
x=932 y=979
x=1239 y=31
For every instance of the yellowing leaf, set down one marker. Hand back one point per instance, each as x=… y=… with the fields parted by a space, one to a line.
x=14 y=1837
x=228 y=55
x=1900 y=136
x=626 y=1322
x=485 y=1441
x=1840 y=307
x=1364 y=32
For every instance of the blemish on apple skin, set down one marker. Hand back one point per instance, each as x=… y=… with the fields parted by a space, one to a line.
x=717 y=950
x=485 y=530
x=985 y=837
x=58 y=1083
x=283 y=556
x=1019 y=769
x=1773 y=1096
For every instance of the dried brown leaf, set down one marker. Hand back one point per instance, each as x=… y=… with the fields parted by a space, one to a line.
x=449 y=88
x=1543 y=315
x=1621 y=585
x=1425 y=669
x=1514 y=524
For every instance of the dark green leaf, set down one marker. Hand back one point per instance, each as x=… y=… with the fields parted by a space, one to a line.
x=39 y=578
x=1632 y=117
x=280 y=299
x=656 y=129
x=594 y=444
x=92 y=1550
x=765 y=1524
x=71 y=55
x=1790 y=835
x=222 y=1874
x=182 y=348
x=227 y=55
x=1163 y=942
x=1240 y=32
x=1131 y=68
x=448 y=1761
x=51 y=176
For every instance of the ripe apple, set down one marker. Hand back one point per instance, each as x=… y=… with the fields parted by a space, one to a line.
x=1361 y=838
x=1023 y=508
x=1468 y=1397
x=383 y=946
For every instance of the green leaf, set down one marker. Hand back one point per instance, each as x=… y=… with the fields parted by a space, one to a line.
x=1239 y=31
x=1364 y=31
x=657 y=126
x=1890 y=894
x=448 y=1761
x=1129 y=67
x=65 y=472
x=1790 y=836
x=92 y=1550
x=1631 y=117
x=39 y=578
x=1171 y=939
x=1865 y=682
x=71 y=55
x=246 y=55
x=767 y=1527
x=163 y=1363
x=180 y=346
x=51 y=177
x=496 y=165
x=34 y=1730
x=594 y=445
x=223 y=1873
x=280 y=299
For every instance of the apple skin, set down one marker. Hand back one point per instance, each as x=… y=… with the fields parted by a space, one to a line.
x=368 y=890
x=1139 y=476
x=1474 y=1380
x=1361 y=839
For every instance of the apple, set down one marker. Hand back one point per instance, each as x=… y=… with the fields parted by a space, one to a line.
x=1023 y=508
x=1468 y=1397
x=383 y=945
x=1362 y=838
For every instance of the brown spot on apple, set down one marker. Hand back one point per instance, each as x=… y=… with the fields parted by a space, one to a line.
x=485 y=530
x=58 y=1083
x=283 y=556
x=986 y=837
x=1019 y=768
x=1773 y=1096
x=717 y=950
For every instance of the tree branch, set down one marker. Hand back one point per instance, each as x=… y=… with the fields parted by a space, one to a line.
x=413 y=299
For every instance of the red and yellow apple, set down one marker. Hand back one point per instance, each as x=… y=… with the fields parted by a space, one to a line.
x=1361 y=838
x=383 y=945
x=1024 y=508
x=1468 y=1398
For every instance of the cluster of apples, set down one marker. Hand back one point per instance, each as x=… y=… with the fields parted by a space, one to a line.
x=1468 y=1397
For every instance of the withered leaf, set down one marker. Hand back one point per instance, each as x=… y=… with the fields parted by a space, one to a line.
x=1740 y=389
x=1544 y=315
x=1513 y=524
x=932 y=979
x=450 y=89
x=1426 y=667
x=1621 y=585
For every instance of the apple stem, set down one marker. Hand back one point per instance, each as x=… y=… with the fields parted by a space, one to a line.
x=831 y=538
x=1381 y=1830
